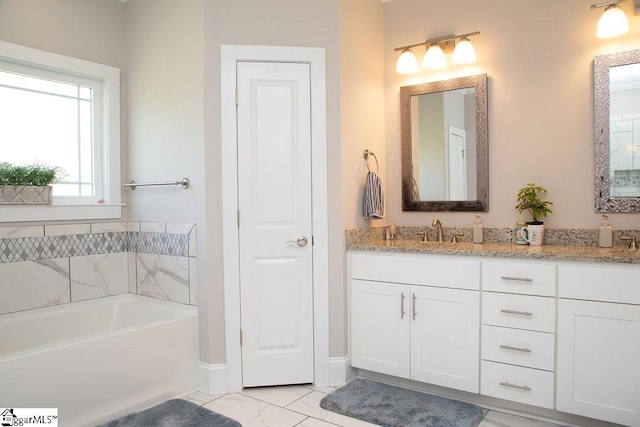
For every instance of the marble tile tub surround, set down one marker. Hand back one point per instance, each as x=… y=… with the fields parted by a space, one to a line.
x=585 y=237
x=54 y=264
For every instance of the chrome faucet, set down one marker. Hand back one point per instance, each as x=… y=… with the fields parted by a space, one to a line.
x=438 y=225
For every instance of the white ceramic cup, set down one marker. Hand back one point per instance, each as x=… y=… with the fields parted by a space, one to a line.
x=534 y=234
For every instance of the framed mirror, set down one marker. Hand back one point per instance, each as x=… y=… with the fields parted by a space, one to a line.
x=445 y=141
x=616 y=80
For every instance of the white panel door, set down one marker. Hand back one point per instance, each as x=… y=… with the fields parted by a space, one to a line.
x=380 y=337
x=274 y=197
x=445 y=337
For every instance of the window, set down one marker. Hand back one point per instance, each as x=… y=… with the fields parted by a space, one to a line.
x=63 y=112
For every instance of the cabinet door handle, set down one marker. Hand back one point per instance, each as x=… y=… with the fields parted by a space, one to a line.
x=517 y=279
x=522 y=349
x=519 y=387
x=402 y=305
x=516 y=312
x=413 y=307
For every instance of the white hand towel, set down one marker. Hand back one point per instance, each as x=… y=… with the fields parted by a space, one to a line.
x=373 y=202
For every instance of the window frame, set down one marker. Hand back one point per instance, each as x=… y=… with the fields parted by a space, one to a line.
x=109 y=185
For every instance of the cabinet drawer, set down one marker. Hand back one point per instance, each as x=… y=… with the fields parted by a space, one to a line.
x=518 y=347
x=417 y=270
x=519 y=277
x=519 y=311
x=524 y=385
x=599 y=283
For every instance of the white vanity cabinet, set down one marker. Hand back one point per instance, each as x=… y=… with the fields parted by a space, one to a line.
x=417 y=317
x=599 y=342
x=554 y=334
x=518 y=331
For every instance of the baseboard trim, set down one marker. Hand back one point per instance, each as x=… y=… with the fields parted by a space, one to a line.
x=340 y=371
x=212 y=378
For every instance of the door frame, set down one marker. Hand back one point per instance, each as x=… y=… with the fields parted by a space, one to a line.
x=229 y=56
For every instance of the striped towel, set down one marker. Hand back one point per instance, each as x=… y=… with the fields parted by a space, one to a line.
x=373 y=203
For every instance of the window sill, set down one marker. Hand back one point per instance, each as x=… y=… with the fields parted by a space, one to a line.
x=25 y=213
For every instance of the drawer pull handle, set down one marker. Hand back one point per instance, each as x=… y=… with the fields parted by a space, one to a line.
x=522 y=349
x=516 y=312
x=519 y=387
x=402 y=305
x=517 y=279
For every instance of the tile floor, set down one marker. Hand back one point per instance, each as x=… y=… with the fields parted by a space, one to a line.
x=288 y=406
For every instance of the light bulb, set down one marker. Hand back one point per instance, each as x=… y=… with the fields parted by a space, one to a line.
x=407 y=63
x=434 y=58
x=612 y=23
x=464 y=53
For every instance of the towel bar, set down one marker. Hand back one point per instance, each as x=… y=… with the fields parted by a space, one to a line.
x=133 y=185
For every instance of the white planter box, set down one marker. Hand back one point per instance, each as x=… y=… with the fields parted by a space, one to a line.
x=25 y=195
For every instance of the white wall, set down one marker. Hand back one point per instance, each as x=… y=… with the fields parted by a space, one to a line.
x=165 y=69
x=538 y=57
x=309 y=23
x=91 y=30
x=361 y=126
x=165 y=107
x=351 y=33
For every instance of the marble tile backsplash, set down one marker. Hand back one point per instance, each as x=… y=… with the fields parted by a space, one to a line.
x=57 y=264
x=32 y=284
x=96 y=276
x=162 y=276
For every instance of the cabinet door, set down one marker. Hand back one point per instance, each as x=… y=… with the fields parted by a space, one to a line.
x=445 y=337
x=599 y=360
x=380 y=327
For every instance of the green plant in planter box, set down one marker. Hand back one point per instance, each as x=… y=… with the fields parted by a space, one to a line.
x=529 y=200
x=36 y=175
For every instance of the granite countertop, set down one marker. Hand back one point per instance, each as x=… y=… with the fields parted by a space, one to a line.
x=617 y=254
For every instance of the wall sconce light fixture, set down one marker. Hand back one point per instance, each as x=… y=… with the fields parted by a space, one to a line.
x=434 y=57
x=613 y=21
x=407 y=63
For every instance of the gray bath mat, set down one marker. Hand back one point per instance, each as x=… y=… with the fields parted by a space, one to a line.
x=174 y=413
x=391 y=406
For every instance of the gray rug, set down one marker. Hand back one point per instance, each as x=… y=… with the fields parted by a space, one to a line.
x=174 y=413
x=391 y=406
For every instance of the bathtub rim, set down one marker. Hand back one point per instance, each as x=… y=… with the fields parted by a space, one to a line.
x=177 y=310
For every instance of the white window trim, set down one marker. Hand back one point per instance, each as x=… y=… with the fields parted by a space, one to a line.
x=112 y=190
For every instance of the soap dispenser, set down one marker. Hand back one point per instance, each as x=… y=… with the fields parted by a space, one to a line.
x=477 y=230
x=606 y=233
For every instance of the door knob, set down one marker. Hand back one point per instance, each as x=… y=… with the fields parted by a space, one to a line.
x=302 y=241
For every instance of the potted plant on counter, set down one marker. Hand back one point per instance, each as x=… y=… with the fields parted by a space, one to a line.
x=26 y=185
x=529 y=200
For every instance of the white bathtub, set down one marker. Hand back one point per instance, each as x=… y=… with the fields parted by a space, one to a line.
x=100 y=359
